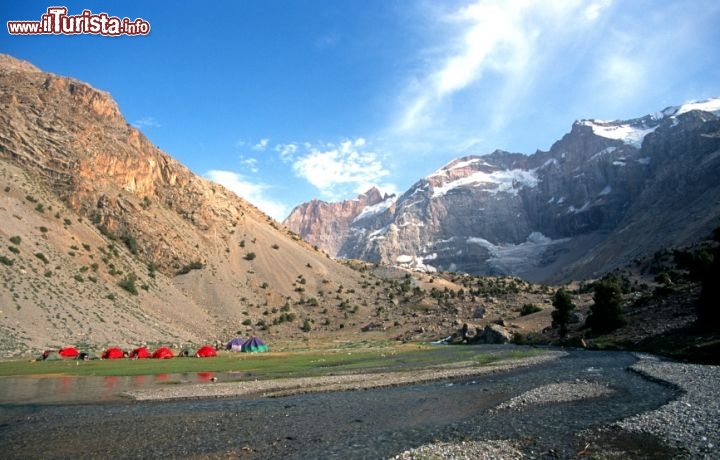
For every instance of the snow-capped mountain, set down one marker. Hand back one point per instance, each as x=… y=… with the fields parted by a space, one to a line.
x=607 y=192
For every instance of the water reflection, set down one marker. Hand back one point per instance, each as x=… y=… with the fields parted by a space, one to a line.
x=66 y=389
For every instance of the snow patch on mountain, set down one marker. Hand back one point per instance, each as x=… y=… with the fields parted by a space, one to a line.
x=508 y=181
x=628 y=133
x=710 y=105
x=515 y=258
x=375 y=209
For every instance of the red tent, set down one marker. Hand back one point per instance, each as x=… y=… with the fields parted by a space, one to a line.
x=206 y=352
x=69 y=352
x=141 y=352
x=163 y=353
x=113 y=353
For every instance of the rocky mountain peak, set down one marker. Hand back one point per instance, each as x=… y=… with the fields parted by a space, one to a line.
x=554 y=215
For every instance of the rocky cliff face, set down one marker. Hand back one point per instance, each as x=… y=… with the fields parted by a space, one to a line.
x=605 y=193
x=133 y=246
x=327 y=225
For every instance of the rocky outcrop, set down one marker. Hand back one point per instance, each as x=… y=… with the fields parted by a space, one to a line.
x=604 y=194
x=493 y=334
x=327 y=225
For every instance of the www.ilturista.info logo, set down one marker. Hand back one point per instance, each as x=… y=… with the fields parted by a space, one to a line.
x=57 y=22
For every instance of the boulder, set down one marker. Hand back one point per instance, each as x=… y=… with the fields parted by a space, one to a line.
x=493 y=333
x=479 y=312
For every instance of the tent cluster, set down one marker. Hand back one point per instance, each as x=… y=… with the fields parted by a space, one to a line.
x=116 y=353
x=251 y=345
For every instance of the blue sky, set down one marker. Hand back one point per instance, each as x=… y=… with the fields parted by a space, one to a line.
x=285 y=101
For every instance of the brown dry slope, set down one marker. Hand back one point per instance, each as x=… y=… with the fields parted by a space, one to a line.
x=91 y=212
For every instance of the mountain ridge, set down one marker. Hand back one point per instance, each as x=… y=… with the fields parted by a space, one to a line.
x=558 y=208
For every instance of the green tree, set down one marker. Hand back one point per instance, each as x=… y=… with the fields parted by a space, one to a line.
x=606 y=312
x=708 y=307
x=563 y=307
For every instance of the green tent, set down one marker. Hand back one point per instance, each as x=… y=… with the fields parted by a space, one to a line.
x=254 y=345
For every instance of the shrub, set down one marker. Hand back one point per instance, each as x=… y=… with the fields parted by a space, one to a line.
x=196 y=265
x=131 y=243
x=128 y=283
x=249 y=256
x=247 y=322
x=14 y=250
x=15 y=240
x=275 y=246
x=42 y=257
x=5 y=261
x=529 y=309
x=306 y=326
x=606 y=311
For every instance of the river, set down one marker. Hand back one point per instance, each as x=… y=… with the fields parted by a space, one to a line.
x=377 y=423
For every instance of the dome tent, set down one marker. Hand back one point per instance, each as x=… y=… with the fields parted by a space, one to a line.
x=163 y=353
x=140 y=353
x=206 y=352
x=235 y=344
x=68 y=352
x=113 y=353
x=254 y=345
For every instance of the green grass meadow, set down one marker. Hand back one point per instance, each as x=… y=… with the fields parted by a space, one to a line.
x=278 y=364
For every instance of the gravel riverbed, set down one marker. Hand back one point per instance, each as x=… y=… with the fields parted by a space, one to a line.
x=569 y=404
x=690 y=424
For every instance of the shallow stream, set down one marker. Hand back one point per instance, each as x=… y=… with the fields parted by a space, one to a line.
x=376 y=423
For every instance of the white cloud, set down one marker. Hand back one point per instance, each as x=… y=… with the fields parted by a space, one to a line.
x=250 y=191
x=486 y=61
x=595 y=9
x=337 y=170
x=287 y=151
x=261 y=146
x=250 y=163
x=147 y=122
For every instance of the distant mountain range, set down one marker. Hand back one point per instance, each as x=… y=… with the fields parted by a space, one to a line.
x=604 y=194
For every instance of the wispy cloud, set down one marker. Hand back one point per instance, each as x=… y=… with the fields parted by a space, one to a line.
x=250 y=163
x=146 y=122
x=261 y=146
x=254 y=192
x=488 y=59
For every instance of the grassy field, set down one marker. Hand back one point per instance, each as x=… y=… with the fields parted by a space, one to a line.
x=281 y=364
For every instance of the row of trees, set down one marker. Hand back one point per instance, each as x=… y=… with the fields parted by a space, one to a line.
x=606 y=311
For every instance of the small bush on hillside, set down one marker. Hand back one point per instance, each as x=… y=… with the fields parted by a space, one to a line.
x=131 y=243
x=249 y=256
x=42 y=257
x=15 y=240
x=5 y=261
x=128 y=283
x=529 y=309
x=306 y=326
x=196 y=265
